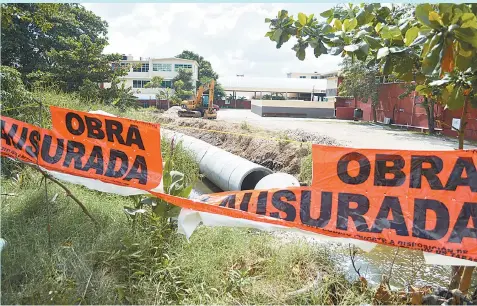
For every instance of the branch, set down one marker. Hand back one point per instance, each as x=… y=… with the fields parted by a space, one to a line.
x=68 y=192
x=443 y=123
x=352 y=255
x=391 y=268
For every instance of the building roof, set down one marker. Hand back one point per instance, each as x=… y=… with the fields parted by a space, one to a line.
x=146 y=59
x=257 y=84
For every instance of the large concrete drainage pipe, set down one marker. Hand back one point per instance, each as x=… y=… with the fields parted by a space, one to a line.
x=224 y=169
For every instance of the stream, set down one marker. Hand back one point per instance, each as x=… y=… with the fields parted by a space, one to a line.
x=409 y=265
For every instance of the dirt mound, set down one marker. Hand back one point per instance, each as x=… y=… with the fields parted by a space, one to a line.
x=270 y=149
x=172 y=112
x=304 y=136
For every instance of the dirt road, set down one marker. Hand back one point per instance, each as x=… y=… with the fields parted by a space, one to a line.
x=348 y=133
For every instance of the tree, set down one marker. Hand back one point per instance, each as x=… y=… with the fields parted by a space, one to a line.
x=17 y=101
x=156 y=82
x=206 y=73
x=424 y=43
x=31 y=30
x=165 y=94
x=182 y=84
x=432 y=45
x=359 y=82
x=83 y=61
x=180 y=93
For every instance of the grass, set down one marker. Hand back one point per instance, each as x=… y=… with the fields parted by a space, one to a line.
x=151 y=264
x=117 y=263
x=306 y=169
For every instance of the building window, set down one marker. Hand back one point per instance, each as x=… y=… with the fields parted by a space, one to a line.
x=161 y=67
x=314 y=77
x=141 y=68
x=139 y=83
x=302 y=77
x=166 y=84
x=182 y=66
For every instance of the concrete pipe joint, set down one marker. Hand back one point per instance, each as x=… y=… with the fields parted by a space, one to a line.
x=224 y=169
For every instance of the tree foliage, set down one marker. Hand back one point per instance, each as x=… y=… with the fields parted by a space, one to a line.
x=359 y=81
x=206 y=72
x=419 y=43
x=183 y=85
x=31 y=30
x=17 y=101
x=61 y=46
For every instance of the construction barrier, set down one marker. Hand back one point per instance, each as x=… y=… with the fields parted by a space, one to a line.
x=413 y=199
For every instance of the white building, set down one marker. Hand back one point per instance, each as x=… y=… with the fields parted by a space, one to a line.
x=141 y=72
x=331 y=77
x=257 y=87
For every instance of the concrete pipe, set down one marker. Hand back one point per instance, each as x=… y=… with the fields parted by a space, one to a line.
x=224 y=169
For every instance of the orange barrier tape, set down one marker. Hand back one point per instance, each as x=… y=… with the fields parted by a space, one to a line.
x=330 y=213
x=414 y=199
x=425 y=200
x=114 y=150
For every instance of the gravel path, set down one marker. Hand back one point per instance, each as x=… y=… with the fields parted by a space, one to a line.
x=348 y=133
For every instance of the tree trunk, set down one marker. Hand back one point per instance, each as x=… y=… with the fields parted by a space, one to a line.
x=375 y=114
x=462 y=276
x=455 y=277
x=430 y=117
x=463 y=123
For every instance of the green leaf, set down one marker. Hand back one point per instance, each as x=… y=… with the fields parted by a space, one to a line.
x=391 y=32
x=353 y=23
x=462 y=62
x=267 y=20
x=327 y=13
x=456 y=98
x=468 y=35
x=336 y=23
x=373 y=42
x=351 y=48
x=432 y=59
x=361 y=17
x=423 y=90
x=411 y=35
x=387 y=68
x=383 y=52
x=378 y=27
x=186 y=191
x=309 y=19
x=445 y=9
x=435 y=17
x=345 y=26
x=277 y=34
x=302 y=19
x=467 y=17
x=422 y=14
x=300 y=54
x=419 y=40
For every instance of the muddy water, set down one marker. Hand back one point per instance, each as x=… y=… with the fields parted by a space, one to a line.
x=409 y=266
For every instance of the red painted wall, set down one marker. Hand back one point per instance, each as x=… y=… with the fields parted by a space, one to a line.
x=407 y=112
x=345 y=113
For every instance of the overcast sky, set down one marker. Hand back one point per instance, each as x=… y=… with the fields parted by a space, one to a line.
x=230 y=36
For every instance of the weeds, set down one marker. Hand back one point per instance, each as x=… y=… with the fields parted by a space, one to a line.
x=306 y=170
x=150 y=263
x=245 y=126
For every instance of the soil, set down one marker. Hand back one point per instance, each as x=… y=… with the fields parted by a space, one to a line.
x=278 y=151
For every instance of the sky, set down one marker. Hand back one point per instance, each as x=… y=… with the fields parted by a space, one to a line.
x=230 y=36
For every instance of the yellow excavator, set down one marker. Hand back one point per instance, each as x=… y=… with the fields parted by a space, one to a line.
x=201 y=106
